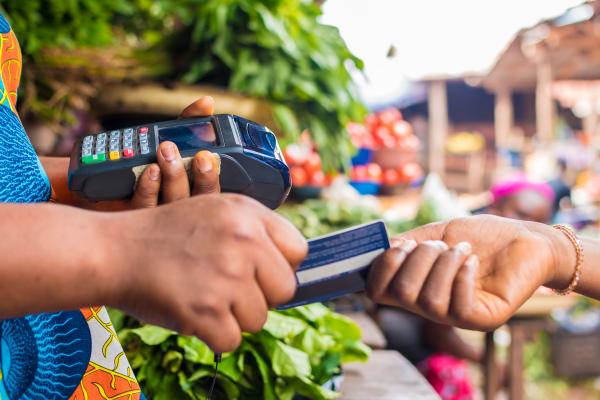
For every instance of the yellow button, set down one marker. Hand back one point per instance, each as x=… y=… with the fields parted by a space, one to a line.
x=114 y=155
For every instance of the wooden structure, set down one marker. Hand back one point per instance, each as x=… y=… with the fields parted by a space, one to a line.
x=387 y=375
x=563 y=48
x=465 y=172
x=528 y=321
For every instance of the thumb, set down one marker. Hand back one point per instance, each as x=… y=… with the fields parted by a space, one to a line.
x=206 y=168
x=434 y=231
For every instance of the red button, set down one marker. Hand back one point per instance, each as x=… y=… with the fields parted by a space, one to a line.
x=127 y=153
x=143 y=129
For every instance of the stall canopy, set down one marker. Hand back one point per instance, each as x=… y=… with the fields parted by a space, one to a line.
x=568 y=45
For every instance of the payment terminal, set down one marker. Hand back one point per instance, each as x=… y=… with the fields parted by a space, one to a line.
x=107 y=165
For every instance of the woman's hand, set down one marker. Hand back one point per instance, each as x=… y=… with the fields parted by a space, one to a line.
x=471 y=272
x=169 y=177
x=209 y=266
x=163 y=182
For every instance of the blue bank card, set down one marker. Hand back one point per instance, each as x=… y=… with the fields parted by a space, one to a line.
x=337 y=264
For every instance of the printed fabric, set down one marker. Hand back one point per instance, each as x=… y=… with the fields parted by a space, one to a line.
x=71 y=355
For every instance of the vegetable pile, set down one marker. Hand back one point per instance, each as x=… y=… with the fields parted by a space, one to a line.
x=296 y=354
x=318 y=217
x=276 y=50
x=305 y=163
x=395 y=149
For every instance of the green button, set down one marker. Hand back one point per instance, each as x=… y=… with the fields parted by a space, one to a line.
x=93 y=159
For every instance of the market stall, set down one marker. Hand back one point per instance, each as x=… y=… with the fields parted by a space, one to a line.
x=348 y=166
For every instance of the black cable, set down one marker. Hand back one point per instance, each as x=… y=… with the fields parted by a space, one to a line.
x=214 y=379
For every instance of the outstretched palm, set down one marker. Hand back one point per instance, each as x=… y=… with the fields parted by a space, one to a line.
x=514 y=260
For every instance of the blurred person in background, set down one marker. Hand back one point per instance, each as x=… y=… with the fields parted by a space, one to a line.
x=522 y=199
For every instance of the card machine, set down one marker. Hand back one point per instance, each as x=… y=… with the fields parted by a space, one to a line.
x=106 y=166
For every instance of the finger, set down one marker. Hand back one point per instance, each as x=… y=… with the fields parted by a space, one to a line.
x=462 y=305
x=406 y=284
x=221 y=333
x=147 y=189
x=274 y=275
x=251 y=309
x=384 y=269
x=286 y=237
x=202 y=107
x=206 y=170
x=434 y=298
x=175 y=182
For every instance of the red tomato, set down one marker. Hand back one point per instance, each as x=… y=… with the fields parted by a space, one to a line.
x=374 y=172
x=389 y=116
x=317 y=179
x=295 y=154
x=390 y=177
x=383 y=138
x=299 y=176
x=401 y=129
x=371 y=120
x=359 y=174
x=312 y=163
x=410 y=172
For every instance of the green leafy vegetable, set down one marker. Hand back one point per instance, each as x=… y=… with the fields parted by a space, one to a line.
x=276 y=50
x=295 y=354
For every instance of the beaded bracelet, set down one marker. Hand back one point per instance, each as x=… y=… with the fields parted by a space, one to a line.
x=570 y=234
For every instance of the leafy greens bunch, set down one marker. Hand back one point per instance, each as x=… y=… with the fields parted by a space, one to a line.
x=295 y=354
x=279 y=51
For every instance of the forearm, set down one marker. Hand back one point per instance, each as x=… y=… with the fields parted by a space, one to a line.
x=53 y=258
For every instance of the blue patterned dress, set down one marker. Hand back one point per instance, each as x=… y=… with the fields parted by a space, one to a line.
x=66 y=355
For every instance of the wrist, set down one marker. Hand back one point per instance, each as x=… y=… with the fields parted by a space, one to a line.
x=563 y=257
x=112 y=264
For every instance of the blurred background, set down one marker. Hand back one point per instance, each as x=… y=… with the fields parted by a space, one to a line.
x=411 y=111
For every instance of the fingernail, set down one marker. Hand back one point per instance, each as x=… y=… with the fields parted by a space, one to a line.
x=154 y=172
x=472 y=261
x=395 y=242
x=205 y=164
x=168 y=151
x=464 y=248
x=408 y=246
x=217 y=162
x=438 y=243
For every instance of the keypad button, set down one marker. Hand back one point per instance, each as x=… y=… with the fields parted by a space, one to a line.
x=114 y=155
x=93 y=159
x=145 y=149
x=88 y=140
x=143 y=129
x=128 y=152
x=101 y=143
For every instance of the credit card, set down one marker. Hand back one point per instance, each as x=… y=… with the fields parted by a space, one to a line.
x=337 y=263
